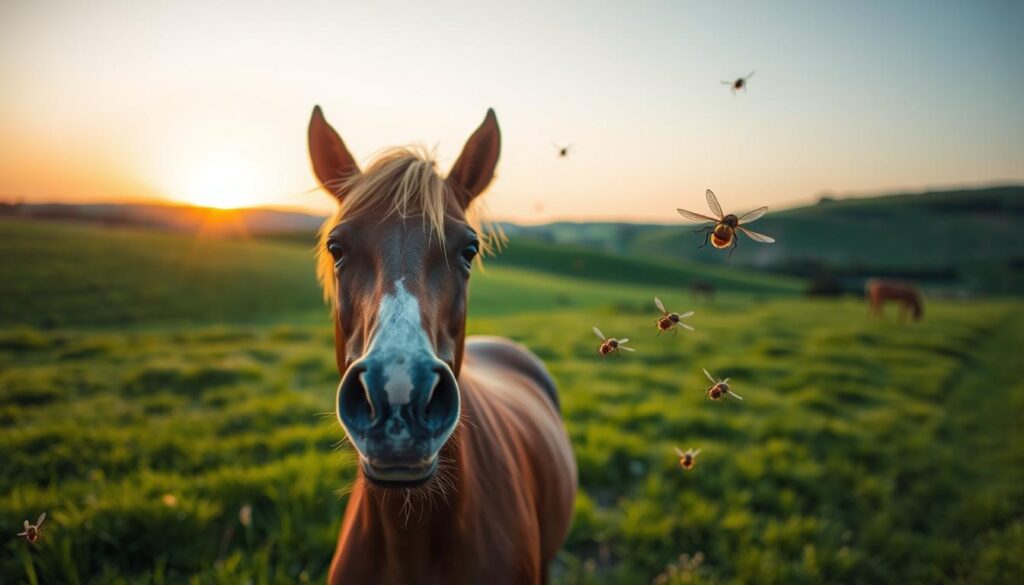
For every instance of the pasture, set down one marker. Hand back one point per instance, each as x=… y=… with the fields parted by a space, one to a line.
x=152 y=387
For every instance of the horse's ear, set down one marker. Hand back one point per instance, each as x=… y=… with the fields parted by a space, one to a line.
x=332 y=162
x=474 y=169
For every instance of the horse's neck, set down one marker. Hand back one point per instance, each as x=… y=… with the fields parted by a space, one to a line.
x=410 y=525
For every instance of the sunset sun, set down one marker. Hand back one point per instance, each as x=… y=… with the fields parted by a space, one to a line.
x=222 y=183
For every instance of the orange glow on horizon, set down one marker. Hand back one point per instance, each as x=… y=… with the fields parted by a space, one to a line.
x=219 y=222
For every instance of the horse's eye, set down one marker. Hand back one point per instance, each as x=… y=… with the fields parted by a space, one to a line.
x=336 y=252
x=469 y=253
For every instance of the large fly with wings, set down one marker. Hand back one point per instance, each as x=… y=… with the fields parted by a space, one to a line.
x=723 y=233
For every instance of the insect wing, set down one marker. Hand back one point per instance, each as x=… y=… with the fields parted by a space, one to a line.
x=753 y=215
x=757 y=237
x=39 y=522
x=623 y=340
x=734 y=395
x=713 y=203
x=710 y=377
x=695 y=216
x=626 y=348
x=749 y=76
x=686 y=314
x=685 y=326
x=659 y=304
x=27 y=525
x=598 y=333
x=678 y=452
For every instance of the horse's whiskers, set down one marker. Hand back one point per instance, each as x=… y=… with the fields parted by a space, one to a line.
x=407 y=507
x=465 y=420
x=342 y=492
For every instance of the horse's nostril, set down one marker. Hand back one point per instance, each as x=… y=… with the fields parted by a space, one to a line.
x=442 y=407
x=354 y=404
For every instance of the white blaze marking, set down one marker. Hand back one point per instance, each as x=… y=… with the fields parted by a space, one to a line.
x=398 y=338
x=398 y=383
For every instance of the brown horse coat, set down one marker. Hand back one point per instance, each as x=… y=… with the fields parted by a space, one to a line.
x=908 y=297
x=466 y=474
x=513 y=482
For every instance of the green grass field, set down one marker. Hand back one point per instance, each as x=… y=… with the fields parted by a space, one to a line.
x=864 y=451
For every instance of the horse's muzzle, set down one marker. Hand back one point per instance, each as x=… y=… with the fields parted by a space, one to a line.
x=399 y=475
x=398 y=412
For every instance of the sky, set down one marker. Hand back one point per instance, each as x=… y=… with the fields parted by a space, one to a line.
x=208 y=102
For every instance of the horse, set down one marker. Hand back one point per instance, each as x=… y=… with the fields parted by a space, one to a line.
x=465 y=469
x=908 y=297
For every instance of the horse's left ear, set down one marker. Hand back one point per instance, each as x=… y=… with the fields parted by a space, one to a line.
x=474 y=169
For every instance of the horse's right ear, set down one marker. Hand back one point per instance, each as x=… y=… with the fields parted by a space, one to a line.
x=332 y=162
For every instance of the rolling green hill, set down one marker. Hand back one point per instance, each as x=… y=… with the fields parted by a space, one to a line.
x=68 y=274
x=968 y=241
x=64 y=274
x=580 y=262
x=927 y=230
x=963 y=242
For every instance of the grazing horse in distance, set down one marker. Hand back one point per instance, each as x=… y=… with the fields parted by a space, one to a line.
x=906 y=295
x=465 y=473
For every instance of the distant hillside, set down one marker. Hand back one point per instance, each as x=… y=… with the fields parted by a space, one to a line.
x=963 y=242
x=606 y=236
x=597 y=265
x=227 y=222
x=957 y=242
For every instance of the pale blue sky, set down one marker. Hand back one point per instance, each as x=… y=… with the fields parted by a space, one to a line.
x=207 y=101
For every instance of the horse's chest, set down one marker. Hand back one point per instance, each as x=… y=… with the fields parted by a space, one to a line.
x=468 y=562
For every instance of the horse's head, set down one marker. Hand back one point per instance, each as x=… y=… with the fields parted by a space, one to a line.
x=394 y=261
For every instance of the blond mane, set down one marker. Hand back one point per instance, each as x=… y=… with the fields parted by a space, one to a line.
x=402 y=181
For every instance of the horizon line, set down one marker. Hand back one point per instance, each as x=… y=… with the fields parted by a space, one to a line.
x=8 y=199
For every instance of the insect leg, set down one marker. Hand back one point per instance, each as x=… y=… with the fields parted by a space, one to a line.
x=707 y=236
x=735 y=244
